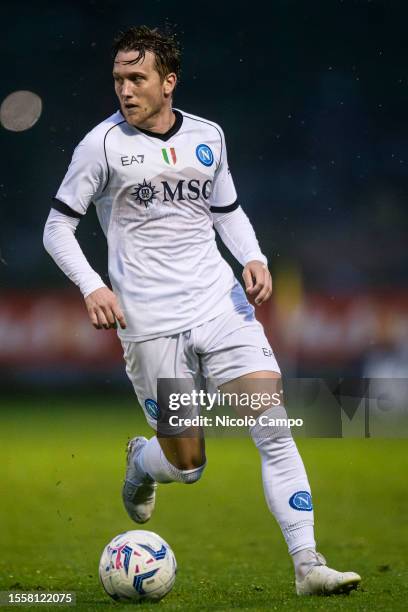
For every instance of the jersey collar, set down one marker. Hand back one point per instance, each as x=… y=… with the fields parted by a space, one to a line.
x=167 y=135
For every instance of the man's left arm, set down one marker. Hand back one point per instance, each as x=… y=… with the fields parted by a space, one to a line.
x=236 y=231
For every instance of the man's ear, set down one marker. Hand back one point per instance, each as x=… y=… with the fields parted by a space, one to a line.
x=169 y=83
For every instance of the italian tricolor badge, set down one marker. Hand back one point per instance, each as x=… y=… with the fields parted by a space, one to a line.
x=166 y=156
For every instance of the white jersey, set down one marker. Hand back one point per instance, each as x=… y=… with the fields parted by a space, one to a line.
x=154 y=195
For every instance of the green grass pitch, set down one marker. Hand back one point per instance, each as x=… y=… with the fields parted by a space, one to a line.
x=61 y=466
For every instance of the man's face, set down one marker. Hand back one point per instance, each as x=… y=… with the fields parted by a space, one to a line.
x=141 y=92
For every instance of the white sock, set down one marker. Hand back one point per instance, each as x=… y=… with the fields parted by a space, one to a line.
x=153 y=462
x=285 y=482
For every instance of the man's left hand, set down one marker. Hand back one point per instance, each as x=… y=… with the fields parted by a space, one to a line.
x=258 y=281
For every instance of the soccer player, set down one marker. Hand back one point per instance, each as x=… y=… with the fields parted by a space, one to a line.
x=160 y=182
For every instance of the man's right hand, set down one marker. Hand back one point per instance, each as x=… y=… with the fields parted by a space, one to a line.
x=104 y=310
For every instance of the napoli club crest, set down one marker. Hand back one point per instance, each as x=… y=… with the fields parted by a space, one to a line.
x=152 y=408
x=301 y=500
x=204 y=155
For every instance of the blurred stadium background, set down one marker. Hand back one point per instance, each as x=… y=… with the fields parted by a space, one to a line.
x=313 y=100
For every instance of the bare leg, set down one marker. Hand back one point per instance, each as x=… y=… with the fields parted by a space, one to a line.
x=185 y=453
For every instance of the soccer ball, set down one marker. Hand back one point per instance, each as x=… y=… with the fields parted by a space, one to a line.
x=137 y=565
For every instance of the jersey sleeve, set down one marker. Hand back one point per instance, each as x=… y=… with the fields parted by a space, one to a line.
x=223 y=196
x=86 y=176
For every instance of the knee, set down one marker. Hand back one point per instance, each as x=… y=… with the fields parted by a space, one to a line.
x=271 y=426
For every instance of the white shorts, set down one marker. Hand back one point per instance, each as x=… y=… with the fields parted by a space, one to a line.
x=222 y=349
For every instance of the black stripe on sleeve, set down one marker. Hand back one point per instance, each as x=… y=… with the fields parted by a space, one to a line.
x=106 y=156
x=225 y=209
x=65 y=209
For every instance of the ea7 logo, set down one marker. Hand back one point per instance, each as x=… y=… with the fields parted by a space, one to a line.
x=128 y=160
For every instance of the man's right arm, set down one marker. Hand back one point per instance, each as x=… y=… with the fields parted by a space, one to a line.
x=61 y=243
x=83 y=183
